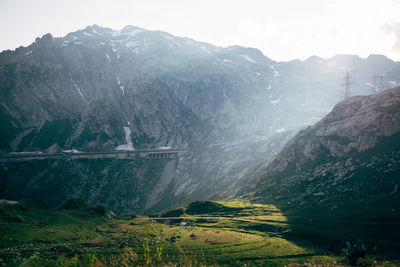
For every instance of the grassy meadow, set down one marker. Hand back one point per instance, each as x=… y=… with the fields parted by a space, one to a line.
x=203 y=233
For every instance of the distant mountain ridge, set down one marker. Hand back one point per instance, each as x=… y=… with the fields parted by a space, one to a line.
x=99 y=89
x=131 y=74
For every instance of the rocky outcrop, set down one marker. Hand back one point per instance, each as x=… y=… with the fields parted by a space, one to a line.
x=349 y=158
x=354 y=125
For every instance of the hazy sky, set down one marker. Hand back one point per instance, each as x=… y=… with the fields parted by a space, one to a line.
x=281 y=29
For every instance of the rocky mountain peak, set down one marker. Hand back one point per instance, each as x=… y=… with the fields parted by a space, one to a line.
x=131 y=30
x=341 y=158
x=375 y=115
x=378 y=58
x=314 y=59
x=355 y=124
x=44 y=41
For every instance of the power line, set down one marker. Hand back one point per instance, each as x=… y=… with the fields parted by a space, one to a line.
x=347 y=84
x=378 y=81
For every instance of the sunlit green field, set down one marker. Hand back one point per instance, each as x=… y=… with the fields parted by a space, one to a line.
x=201 y=234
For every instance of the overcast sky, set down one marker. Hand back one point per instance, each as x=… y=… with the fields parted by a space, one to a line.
x=281 y=29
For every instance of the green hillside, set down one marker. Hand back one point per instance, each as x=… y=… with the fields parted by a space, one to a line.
x=201 y=234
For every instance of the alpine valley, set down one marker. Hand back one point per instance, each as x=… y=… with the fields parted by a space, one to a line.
x=276 y=166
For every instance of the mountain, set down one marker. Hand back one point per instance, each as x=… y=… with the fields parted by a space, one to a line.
x=347 y=164
x=99 y=89
x=81 y=90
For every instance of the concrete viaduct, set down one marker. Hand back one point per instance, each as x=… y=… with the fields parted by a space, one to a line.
x=120 y=154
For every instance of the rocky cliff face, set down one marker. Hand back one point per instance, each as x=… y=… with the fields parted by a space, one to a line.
x=124 y=186
x=81 y=90
x=349 y=159
x=353 y=126
x=99 y=89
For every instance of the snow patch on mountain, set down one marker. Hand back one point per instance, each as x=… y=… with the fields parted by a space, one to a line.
x=210 y=53
x=134 y=32
x=120 y=87
x=205 y=49
x=276 y=72
x=281 y=130
x=108 y=57
x=129 y=144
x=74 y=40
x=369 y=84
x=171 y=39
x=249 y=59
x=374 y=86
x=79 y=91
x=133 y=43
x=95 y=32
